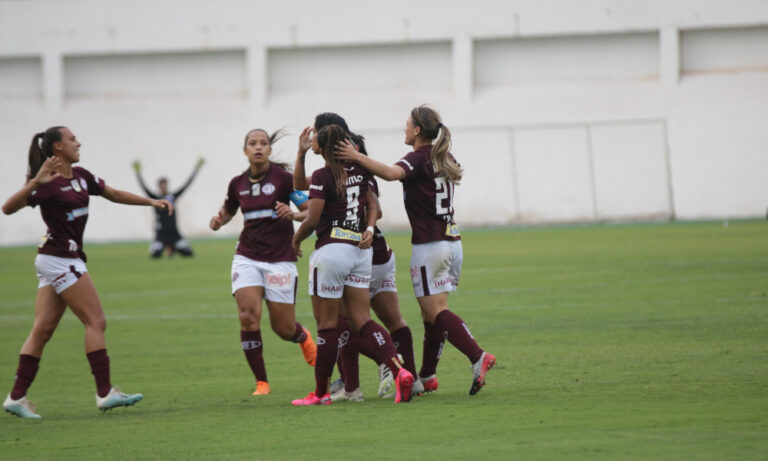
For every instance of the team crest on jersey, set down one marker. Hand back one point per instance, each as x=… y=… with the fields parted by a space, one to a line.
x=76 y=185
x=268 y=188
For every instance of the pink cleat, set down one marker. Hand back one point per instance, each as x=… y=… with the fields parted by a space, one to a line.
x=479 y=370
x=430 y=383
x=403 y=384
x=312 y=399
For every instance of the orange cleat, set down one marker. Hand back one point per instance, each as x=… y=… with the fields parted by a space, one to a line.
x=309 y=349
x=262 y=388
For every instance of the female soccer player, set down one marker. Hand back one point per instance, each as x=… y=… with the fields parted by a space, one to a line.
x=340 y=266
x=63 y=191
x=264 y=267
x=383 y=291
x=429 y=175
x=167 y=236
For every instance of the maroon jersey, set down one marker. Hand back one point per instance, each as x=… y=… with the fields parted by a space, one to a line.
x=265 y=236
x=343 y=219
x=64 y=207
x=428 y=199
x=381 y=251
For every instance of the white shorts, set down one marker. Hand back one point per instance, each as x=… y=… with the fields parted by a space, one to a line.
x=278 y=279
x=335 y=265
x=383 y=277
x=61 y=273
x=436 y=267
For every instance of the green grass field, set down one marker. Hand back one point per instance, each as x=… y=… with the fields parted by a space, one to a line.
x=612 y=342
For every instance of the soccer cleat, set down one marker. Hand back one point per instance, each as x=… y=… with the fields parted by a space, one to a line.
x=417 y=388
x=403 y=384
x=386 y=382
x=22 y=408
x=479 y=370
x=430 y=383
x=115 y=398
x=336 y=386
x=312 y=399
x=262 y=388
x=309 y=349
x=354 y=396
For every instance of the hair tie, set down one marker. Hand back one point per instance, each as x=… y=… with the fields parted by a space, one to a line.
x=439 y=125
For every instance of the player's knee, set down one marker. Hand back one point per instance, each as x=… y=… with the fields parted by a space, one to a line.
x=44 y=333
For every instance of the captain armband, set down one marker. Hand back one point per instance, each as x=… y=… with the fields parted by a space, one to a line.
x=298 y=197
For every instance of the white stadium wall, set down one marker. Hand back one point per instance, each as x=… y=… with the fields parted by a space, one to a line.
x=561 y=111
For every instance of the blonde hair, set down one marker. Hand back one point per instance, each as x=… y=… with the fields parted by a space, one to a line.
x=431 y=126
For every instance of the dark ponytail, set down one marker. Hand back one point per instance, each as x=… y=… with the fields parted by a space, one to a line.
x=327 y=139
x=41 y=149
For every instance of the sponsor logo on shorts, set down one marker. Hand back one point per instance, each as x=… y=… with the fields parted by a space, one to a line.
x=77 y=213
x=379 y=338
x=268 y=188
x=346 y=234
x=235 y=276
x=278 y=280
x=250 y=345
x=388 y=284
x=331 y=288
x=441 y=283
x=356 y=279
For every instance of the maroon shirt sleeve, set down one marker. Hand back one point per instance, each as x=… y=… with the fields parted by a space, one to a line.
x=232 y=202
x=318 y=187
x=412 y=163
x=95 y=185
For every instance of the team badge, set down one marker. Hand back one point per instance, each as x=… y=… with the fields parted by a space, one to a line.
x=268 y=188
x=76 y=185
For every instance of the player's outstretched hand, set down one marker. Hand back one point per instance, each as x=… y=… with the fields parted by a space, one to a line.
x=163 y=204
x=47 y=172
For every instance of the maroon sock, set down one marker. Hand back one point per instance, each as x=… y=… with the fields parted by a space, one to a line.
x=404 y=345
x=459 y=335
x=327 y=352
x=25 y=374
x=253 y=349
x=348 y=355
x=385 y=350
x=99 y=361
x=345 y=329
x=434 y=339
x=299 y=336
x=366 y=347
